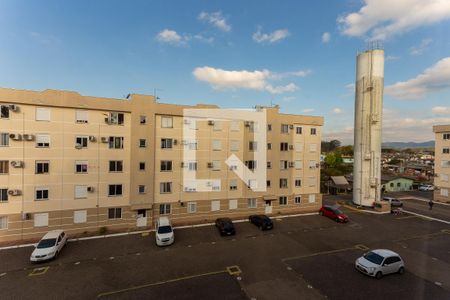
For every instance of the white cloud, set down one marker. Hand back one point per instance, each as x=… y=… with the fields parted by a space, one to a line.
x=435 y=78
x=441 y=110
x=216 y=19
x=270 y=38
x=254 y=80
x=299 y=73
x=308 y=110
x=170 y=37
x=326 y=36
x=420 y=49
x=382 y=19
x=204 y=39
x=337 y=111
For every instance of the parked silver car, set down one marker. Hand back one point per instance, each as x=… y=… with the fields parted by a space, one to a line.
x=379 y=262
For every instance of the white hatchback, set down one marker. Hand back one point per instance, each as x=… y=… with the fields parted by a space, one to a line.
x=49 y=246
x=379 y=262
x=164 y=232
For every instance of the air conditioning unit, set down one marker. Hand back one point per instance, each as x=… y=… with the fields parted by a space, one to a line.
x=13 y=107
x=291 y=164
x=210 y=165
x=26 y=216
x=90 y=189
x=81 y=121
x=175 y=141
x=17 y=163
x=92 y=138
x=291 y=126
x=216 y=188
x=78 y=146
x=14 y=192
x=108 y=120
x=105 y=139
x=291 y=147
x=28 y=137
x=211 y=122
x=15 y=136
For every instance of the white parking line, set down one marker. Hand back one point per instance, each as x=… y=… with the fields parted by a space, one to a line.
x=426 y=217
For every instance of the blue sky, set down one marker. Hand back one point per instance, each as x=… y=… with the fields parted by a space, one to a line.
x=298 y=54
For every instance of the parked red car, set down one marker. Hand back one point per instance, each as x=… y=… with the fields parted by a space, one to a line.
x=333 y=213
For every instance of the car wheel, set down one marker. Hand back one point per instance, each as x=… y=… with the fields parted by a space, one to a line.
x=401 y=270
x=378 y=275
x=337 y=220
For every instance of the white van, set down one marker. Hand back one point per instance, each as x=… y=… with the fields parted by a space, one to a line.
x=164 y=232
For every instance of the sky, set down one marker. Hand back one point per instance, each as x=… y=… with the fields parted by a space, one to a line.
x=237 y=54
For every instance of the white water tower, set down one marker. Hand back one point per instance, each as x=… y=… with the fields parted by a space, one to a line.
x=367 y=131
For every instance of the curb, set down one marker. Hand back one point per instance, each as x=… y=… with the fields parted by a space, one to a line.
x=426 y=217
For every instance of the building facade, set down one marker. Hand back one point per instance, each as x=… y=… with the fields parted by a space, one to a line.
x=442 y=163
x=85 y=164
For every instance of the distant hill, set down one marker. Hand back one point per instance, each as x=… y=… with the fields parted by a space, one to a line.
x=405 y=145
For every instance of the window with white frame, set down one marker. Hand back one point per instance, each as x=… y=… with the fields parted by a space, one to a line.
x=298 y=164
x=40 y=220
x=81 y=166
x=4 y=139
x=312 y=164
x=142 y=166
x=312 y=181
x=251 y=164
x=166 y=143
x=283 y=183
x=80 y=191
x=298 y=199
x=298 y=147
x=312 y=198
x=42 y=114
x=252 y=183
x=298 y=130
x=81 y=141
x=115 y=213
x=4 y=111
x=116 y=142
x=116 y=118
x=269 y=165
x=284 y=146
x=312 y=147
x=215 y=205
x=165 y=187
x=115 y=166
x=216 y=165
x=445 y=150
x=234 y=125
x=252 y=146
x=445 y=164
x=232 y=204
x=3 y=222
x=234 y=145
x=444 y=177
x=251 y=203
x=217 y=145
x=4 y=166
x=141 y=189
x=444 y=192
x=166 y=122
x=193 y=124
x=284 y=128
x=192 y=166
x=142 y=143
x=268 y=183
x=42 y=166
x=446 y=136
x=193 y=145
x=114 y=190
x=164 y=209
x=217 y=125
x=41 y=194
x=142 y=120
x=233 y=184
x=42 y=140
x=79 y=216
x=81 y=116
x=298 y=182
x=192 y=207
x=166 y=166
x=284 y=164
x=3 y=195
x=313 y=131
x=269 y=146
x=283 y=200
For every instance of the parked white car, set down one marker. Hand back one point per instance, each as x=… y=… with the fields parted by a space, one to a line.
x=427 y=187
x=49 y=246
x=164 y=232
x=379 y=262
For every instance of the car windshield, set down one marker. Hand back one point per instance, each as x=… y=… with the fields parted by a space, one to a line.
x=165 y=229
x=227 y=225
x=374 y=258
x=47 y=243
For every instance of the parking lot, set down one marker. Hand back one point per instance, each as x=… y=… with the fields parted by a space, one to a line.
x=308 y=257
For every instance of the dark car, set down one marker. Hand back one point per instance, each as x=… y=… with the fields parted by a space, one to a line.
x=333 y=213
x=263 y=222
x=225 y=226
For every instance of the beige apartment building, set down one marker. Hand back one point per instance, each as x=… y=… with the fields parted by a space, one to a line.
x=442 y=163
x=83 y=163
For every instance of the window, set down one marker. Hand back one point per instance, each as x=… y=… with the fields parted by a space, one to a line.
x=141 y=166
x=81 y=141
x=114 y=190
x=81 y=116
x=298 y=199
x=41 y=220
x=445 y=150
x=269 y=146
x=217 y=125
x=312 y=181
x=191 y=207
x=298 y=182
x=166 y=143
x=42 y=114
x=234 y=146
x=142 y=143
x=232 y=204
x=142 y=120
x=4 y=222
x=253 y=126
x=193 y=145
x=252 y=146
x=80 y=191
x=312 y=147
x=446 y=136
x=164 y=209
x=166 y=165
x=283 y=200
x=312 y=198
x=116 y=118
x=251 y=203
x=444 y=177
x=269 y=165
x=3 y=195
x=284 y=164
x=233 y=185
x=165 y=187
x=251 y=164
x=4 y=112
x=4 y=139
x=399 y=184
x=79 y=216
x=298 y=147
x=444 y=192
x=298 y=130
x=115 y=213
x=445 y=164
x=283 y=183
x=216 y=165
x=116 y=166
x=284 y=146
x=141 y=189
x=269 y=127
x=193 y=125
x=284 y=128
x=4 y=166
x=42 y=167
x=81 y=166
x=234 y=126
x=215 y=205
x=252 y=183
x=41 y=194
x=42 y=140
x=268 y=183
x=313 y=131
x=192 y=166
x=116 y=142
x=216 y=145
x=298 y=164
x=312 y=164
x=166 y=122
